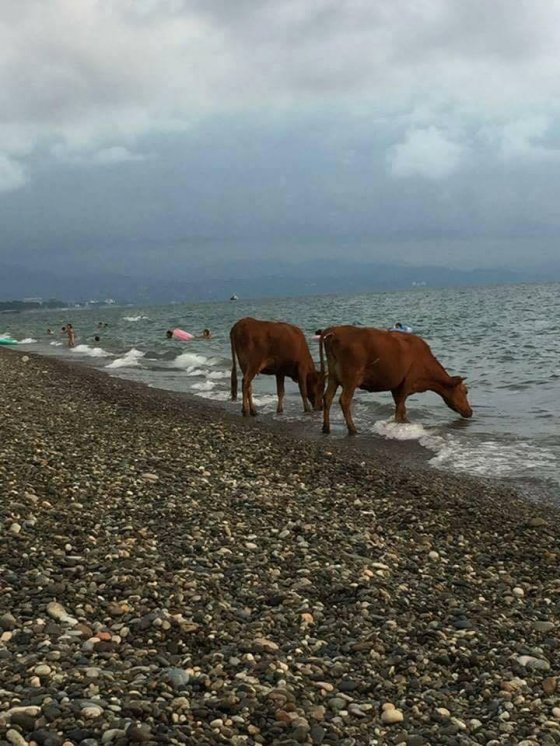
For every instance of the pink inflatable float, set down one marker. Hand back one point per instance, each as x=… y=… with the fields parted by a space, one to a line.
x=180 y=334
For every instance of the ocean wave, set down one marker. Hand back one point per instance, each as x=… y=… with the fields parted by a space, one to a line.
x=130 y=359
x=218 y=374
x=490 y=458
x=399 y=430
x=27 y=341
x=192 y=361
x=56 y=344
x=483 y=458
x=140 y=317
x=90 y=351
x=214 y=395
x=203 y=386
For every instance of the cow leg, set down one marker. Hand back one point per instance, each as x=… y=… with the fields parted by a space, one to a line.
x=399 y=398
x=302 y=383
x=247 y=388
x=345 y=404
x=327 y=402
x=245 y=397
x=280 y=392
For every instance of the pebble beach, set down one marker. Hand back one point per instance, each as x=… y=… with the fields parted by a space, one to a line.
x=173 y=574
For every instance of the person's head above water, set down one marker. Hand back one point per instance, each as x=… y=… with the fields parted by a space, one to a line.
x=96 y=338
x=206 y=333
x=169 y=333
x=318 y=332
x=398 y=325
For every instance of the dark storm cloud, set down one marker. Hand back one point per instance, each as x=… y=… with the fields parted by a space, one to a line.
x=128 y=126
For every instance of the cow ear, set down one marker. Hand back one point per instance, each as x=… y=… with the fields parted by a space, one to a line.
x=456 y=380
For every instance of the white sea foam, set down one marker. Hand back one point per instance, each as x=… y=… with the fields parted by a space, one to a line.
x=214 y=395
x=218 y=374
x=130 y=359
x=484 y=458
x=491 y=458
x=203 y=386
x=90 y=351
x=140 y=317
x=27 y=341
x=399 y=430
x=192 y=361
x=56 y=344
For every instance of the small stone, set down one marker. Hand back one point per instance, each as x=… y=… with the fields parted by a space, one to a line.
x=58 y=612
x=325 y=685
x=138 y=733
x=149 y=477
x=31 y=710
x=15 y=738
x=25 y=722
x=535 y=664
x=267 y=645
x=317 y=734
x=111 y=735
x=92 y=711
x=8 y=622
x=537 y=522
x=543 y=626
x=519 y=592
x=42 y=670
x=116 y=609
x=556 y=713
x=392 y=716
x=549 y=685
x=177 y=677
x=433 y=555
x=15 y=528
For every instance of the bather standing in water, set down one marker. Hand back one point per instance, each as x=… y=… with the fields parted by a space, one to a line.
x=71 y=334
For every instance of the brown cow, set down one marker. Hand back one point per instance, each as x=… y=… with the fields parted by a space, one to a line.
x=274 y=348
x=377 y=360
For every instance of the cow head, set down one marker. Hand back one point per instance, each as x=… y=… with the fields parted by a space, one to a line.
x=315 y=389
x=455 y=396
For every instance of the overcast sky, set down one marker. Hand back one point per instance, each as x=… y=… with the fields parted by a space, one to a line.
x=422 y=131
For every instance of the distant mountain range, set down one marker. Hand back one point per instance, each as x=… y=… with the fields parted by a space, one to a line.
x=250 y=279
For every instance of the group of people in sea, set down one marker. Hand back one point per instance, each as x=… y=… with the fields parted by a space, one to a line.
x=70 y=333
x=181 y=335
x=177 y=334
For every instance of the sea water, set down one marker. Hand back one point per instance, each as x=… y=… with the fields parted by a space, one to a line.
x=504 y=339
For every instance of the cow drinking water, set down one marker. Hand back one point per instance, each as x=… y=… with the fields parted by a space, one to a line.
x=377 y=360
x=274 y=348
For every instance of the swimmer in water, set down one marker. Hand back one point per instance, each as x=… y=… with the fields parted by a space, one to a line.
x=71 y=334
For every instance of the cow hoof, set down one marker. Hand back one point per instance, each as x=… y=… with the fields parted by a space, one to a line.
x=253 y=413
x=351 y=433
x=326 y=430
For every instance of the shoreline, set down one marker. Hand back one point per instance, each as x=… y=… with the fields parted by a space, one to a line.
x=223 y=581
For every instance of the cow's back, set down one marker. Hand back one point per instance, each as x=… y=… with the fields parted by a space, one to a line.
x=374 y=359
x=269 y=343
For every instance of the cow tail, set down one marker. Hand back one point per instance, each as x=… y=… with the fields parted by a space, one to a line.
x=322 y=353
x=233 y=370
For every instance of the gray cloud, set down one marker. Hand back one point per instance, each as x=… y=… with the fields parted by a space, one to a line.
x=138 y=125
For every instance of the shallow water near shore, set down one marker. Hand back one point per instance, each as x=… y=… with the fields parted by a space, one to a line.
x=505 y=339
